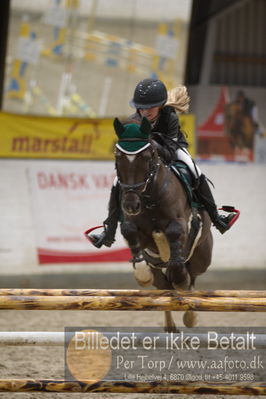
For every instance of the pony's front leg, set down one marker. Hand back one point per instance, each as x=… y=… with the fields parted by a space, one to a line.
x=142 y=271
x=176 y=272
x=129 y=231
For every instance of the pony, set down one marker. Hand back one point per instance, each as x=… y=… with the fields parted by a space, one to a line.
x=157 y=217
x=239 y=127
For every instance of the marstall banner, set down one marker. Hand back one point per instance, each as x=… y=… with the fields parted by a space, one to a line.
x=24 y=136
x=68 y=198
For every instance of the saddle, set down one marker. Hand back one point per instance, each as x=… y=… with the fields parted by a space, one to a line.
x=181 y=170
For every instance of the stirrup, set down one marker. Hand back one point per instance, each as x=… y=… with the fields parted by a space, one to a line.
x=235 y=213
x=104 y=238
x=98 y=239
x=95 y=239
x=224 y=223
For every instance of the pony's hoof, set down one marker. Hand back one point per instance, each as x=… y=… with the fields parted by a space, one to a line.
x=143 y=274
x=178 y=275
x=182 y=285
x=171 y=329
x=190 y=318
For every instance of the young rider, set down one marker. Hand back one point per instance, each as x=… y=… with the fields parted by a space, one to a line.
x=149 y=100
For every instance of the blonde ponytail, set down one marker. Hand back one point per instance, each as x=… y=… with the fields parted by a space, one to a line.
x=178 y=98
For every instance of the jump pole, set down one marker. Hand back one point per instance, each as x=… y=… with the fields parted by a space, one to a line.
x=254 y=301
x=158 y=387
x=144 y=303
x=49 y=338
x=32 y=338
x=125 y=292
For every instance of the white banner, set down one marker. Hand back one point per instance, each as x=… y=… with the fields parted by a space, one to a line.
x=67 y=199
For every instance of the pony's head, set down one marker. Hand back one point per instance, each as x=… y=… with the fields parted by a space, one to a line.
x=134 y=162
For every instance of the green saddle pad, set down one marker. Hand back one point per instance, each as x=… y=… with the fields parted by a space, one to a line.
x=183 y=173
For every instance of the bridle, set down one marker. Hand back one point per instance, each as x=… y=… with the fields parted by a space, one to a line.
x=153 y=169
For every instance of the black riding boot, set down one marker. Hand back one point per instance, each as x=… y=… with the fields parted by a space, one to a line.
x=205 y=196
x=107 y=237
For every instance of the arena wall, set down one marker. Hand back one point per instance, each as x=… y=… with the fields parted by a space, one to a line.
x=241 y=185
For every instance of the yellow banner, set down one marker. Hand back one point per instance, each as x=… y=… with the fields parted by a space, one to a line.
x=187 y=123
x=24 y=136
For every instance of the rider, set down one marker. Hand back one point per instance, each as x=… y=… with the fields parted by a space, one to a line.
x=149 y=100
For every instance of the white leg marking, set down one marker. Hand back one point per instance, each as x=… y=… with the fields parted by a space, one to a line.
x=143 y=274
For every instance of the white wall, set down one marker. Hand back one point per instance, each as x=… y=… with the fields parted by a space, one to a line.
x=243 y=186
x=244 y=246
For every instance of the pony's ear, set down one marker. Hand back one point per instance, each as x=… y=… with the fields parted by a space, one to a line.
x=119 y=128
x=145 y=126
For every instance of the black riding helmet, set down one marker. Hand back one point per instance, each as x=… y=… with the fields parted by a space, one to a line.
x=149 y=93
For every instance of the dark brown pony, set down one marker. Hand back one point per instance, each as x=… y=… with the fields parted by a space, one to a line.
x=156 y=217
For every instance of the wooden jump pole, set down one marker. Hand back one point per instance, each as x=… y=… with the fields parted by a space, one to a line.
x=159 y=387
x=125 y=292
x=174 y=303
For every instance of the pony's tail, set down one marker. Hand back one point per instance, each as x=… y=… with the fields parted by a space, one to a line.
x=178 y=98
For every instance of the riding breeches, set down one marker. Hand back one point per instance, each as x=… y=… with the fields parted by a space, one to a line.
x=184 y=156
